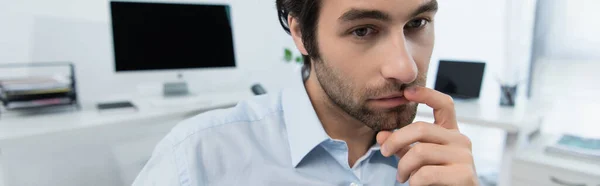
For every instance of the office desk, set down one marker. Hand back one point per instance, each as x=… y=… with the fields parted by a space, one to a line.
x=518 y=122
x=129 y=136
x=534 y=166
x=21 y=127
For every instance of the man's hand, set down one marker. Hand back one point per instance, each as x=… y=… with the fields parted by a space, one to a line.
x=442 y=155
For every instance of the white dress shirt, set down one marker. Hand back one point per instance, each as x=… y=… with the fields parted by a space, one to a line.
x=269 y=140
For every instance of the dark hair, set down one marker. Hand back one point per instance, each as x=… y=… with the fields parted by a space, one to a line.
x=306 y=13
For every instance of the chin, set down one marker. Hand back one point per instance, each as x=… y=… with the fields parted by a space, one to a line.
x=390 y=122
x=389 y=119
x=399 y=120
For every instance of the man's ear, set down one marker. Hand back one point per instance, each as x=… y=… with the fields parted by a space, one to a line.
x=296 y=33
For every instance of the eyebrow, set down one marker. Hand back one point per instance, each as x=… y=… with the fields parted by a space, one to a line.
x=430 y=6
x=357 y=14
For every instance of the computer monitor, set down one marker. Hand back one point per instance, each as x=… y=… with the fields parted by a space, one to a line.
x=460 y=79
x=170 y=36
x=151 y=36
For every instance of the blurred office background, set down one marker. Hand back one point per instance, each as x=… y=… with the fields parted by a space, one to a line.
x=547 y=48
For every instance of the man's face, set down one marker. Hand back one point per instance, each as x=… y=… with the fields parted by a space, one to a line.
x=370 y=51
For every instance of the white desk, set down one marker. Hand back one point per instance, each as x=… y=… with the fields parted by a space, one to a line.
x=70 y=136
x=509 y=119
x=533 y=166
x=12 y=128
x=518 y=123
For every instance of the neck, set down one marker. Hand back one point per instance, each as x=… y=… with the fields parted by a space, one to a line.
x=337 y=123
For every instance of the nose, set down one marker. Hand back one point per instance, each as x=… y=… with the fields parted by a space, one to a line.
x=399 y=64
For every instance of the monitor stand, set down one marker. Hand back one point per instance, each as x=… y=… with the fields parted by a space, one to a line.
x=177 y=94
x=175 y=89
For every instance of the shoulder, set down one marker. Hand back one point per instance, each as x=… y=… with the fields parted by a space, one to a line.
x=201 y=148
x=253 y=112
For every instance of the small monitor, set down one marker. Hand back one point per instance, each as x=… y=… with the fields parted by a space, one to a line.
x=171 y=36
x=460 y=79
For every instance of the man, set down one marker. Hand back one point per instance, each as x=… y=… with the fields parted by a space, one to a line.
x=366 y=64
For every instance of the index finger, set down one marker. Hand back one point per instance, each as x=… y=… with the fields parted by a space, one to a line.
x=442 y=104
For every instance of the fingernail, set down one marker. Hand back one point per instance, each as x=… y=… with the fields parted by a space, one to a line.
x=398 y=178
x=383 y=150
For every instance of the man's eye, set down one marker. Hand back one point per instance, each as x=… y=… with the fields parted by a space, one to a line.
x=363 y=32
x=417 y=23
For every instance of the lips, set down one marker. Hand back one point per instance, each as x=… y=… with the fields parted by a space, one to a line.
x=389 y=101
x=390 y=96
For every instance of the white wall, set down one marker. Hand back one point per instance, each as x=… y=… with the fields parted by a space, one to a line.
x=79 y=31
x=472 y=30
x=569 y=30
x=566 y=66
x=566 y=54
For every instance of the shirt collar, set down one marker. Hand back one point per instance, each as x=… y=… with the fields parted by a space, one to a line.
x=304 y=129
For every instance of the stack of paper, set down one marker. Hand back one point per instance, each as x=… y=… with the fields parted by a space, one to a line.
x=35 y=92
x=576 y=146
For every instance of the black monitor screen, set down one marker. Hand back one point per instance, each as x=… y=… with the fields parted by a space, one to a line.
x=460 y=79
x=161 y=36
